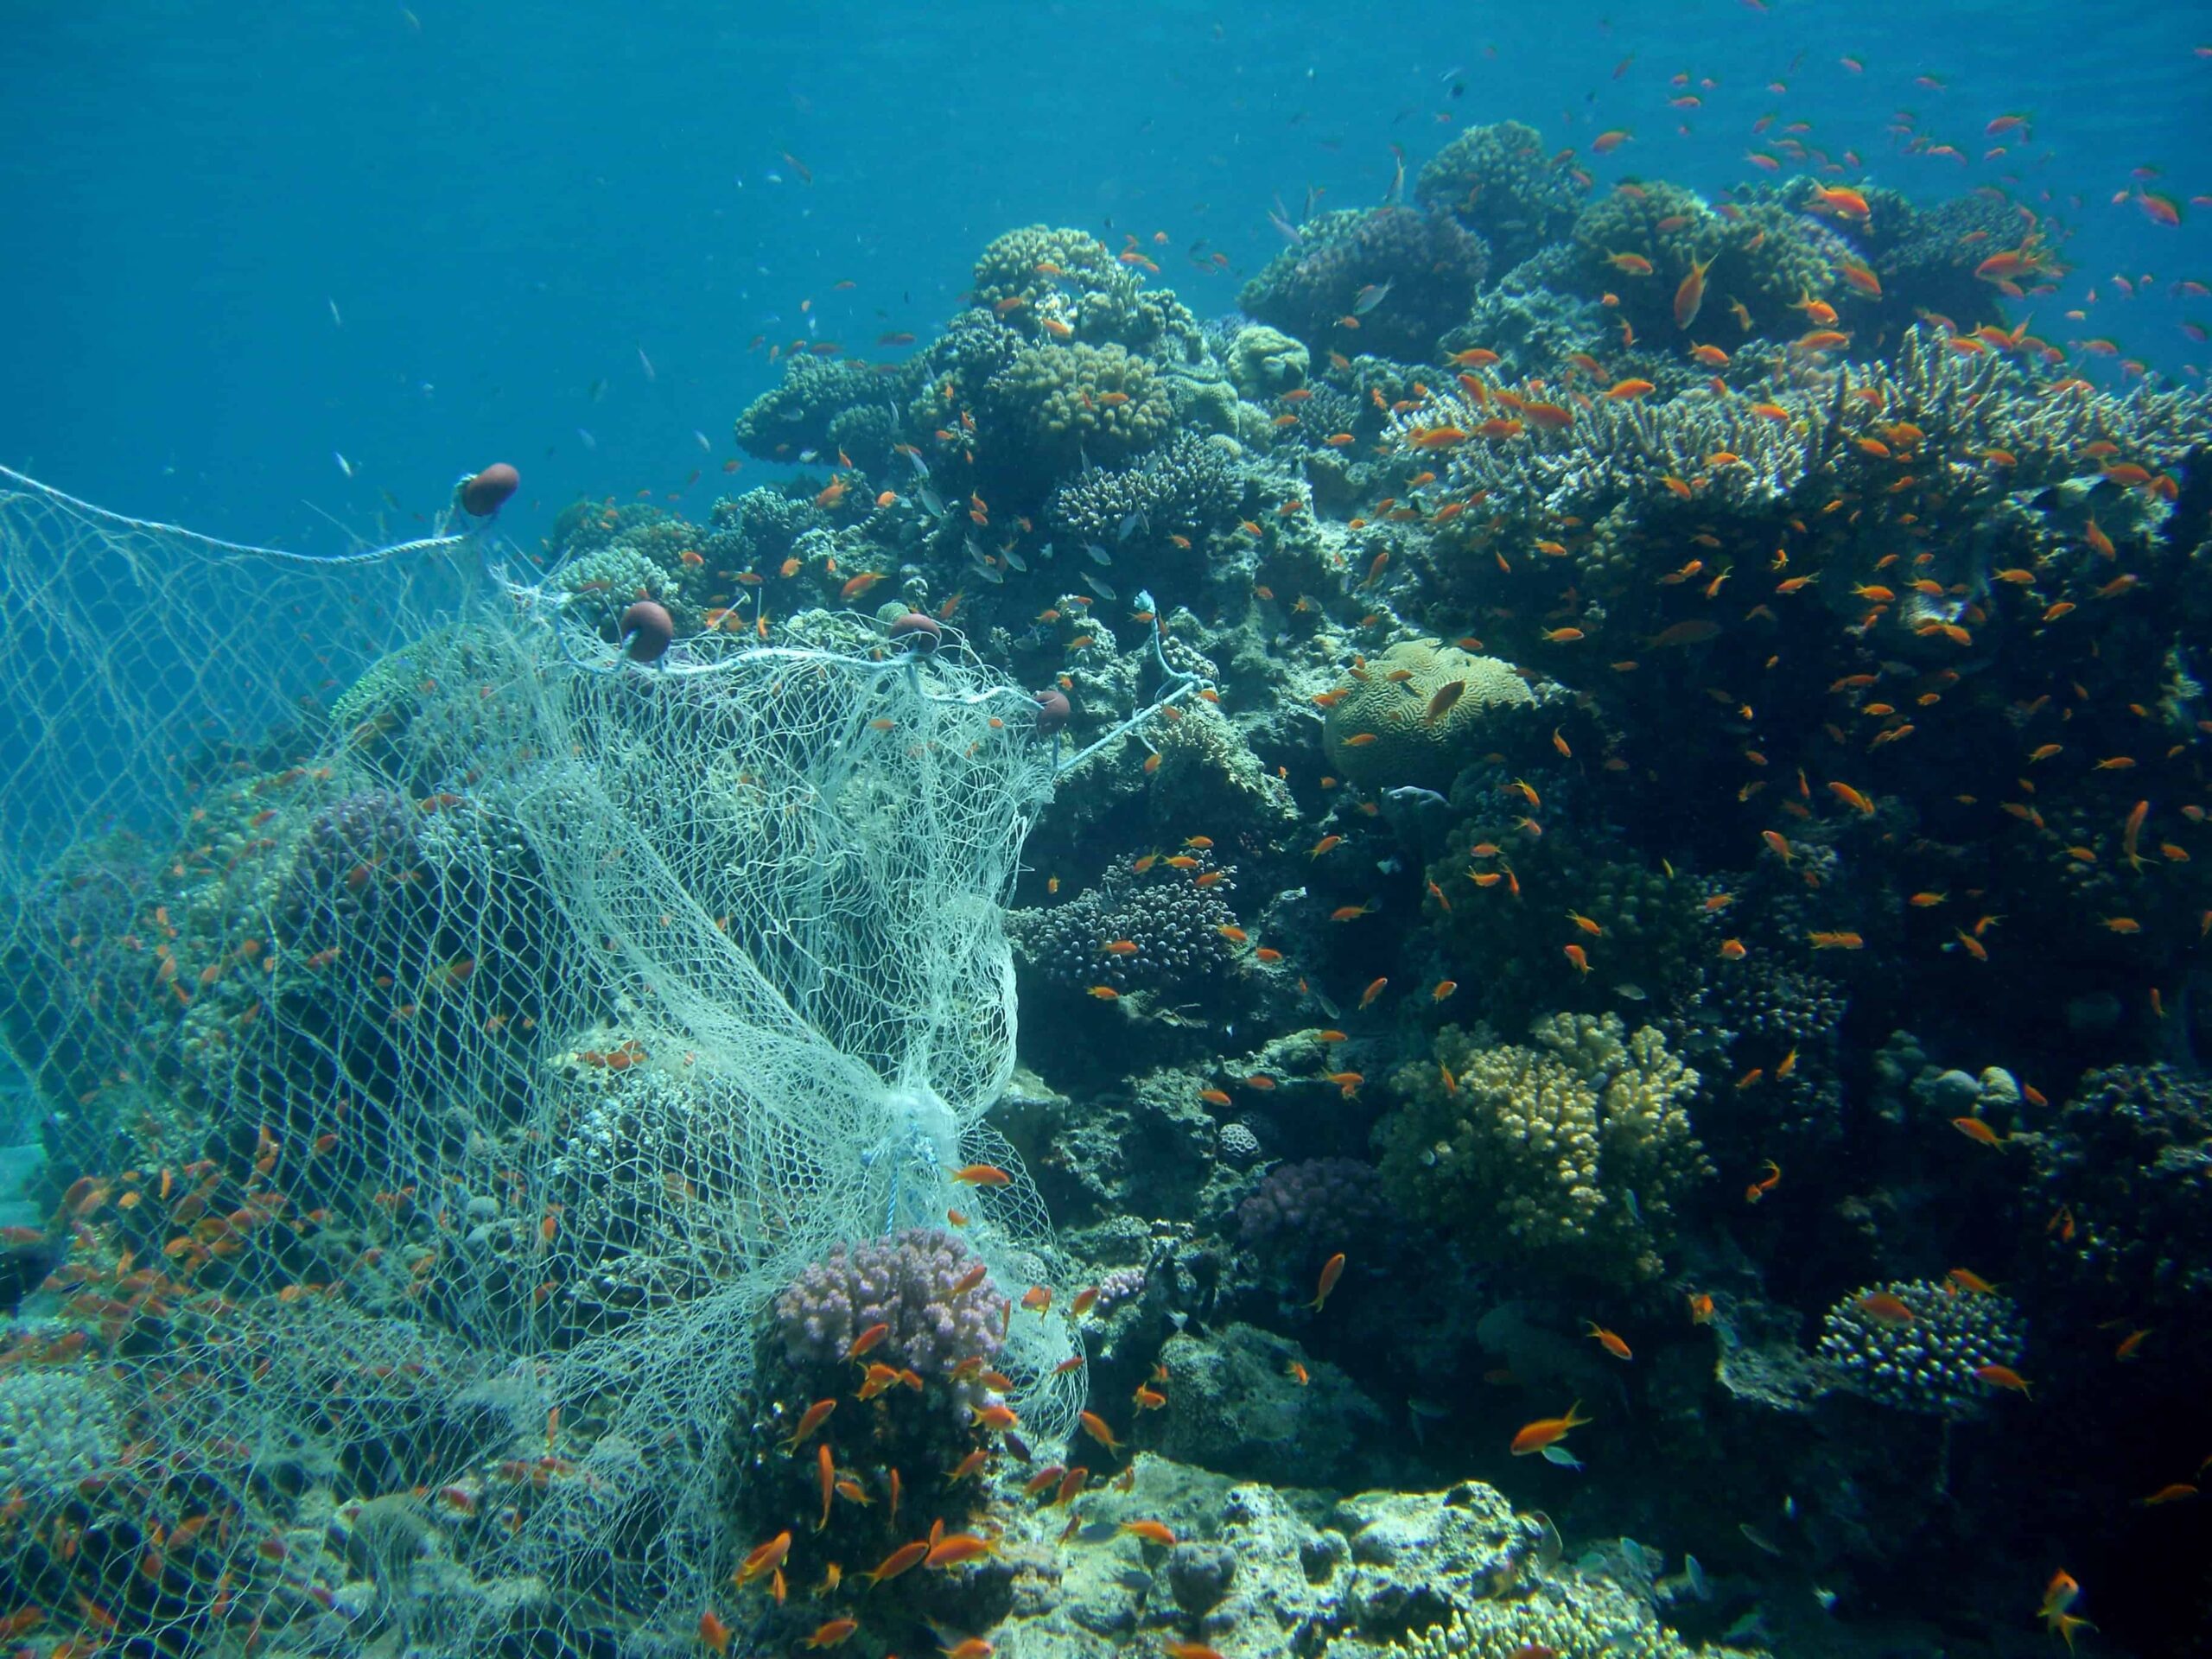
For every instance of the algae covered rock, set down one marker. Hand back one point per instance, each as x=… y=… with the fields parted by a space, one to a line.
x=1239 y=1412
x=1383 y=733
x=1420 y=1556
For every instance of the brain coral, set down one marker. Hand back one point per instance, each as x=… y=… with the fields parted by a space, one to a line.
x=1574 y=1152
x=1430 y=264
x=1064 y=404
x=1762 y=256
x=1499 y=182
x=1408 y=747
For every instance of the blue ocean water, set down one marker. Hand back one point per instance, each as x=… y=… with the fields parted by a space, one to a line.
x=247 y=241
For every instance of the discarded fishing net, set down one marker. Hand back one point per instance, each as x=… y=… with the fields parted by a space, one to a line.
x=452 y=1034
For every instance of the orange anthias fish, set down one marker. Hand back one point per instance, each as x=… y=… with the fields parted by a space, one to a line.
x=1547 y=1430
x=1331 y=1270
x=1885 y=1308
x=1689 y=298
x=1607 y=1339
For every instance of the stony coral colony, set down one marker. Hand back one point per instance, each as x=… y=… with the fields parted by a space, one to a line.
x=1685 y=850
x=1701 y=747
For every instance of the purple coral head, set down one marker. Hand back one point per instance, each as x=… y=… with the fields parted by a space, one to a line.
x=923 y=1284
x=1337 y=1196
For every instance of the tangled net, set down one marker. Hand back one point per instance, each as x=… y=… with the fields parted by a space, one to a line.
x=441 y=1082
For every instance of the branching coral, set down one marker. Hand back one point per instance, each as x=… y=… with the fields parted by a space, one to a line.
x=1915 y=1345
x=918 y=1284
x=1187 y=488
x=1174 y=925
x=2130 y=1156
x=796 y=416
x=1575 y=1152
x=1581 y=1616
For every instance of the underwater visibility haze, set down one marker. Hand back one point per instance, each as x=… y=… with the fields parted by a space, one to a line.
x=1299 y=831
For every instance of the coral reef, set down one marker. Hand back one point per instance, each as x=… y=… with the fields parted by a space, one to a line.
x=797 y=416
x=1065 y=285
x=1157 y=928
x=1065 y=405
x=1398 y=723
x=2129 y=1156
x=56 y=1427
x=1313 y=1198
x=1189 y=487
x=917 y=1283
x=1401 y=277
x=1640 y=243
x=1238 y=1411
x=1827 y=667
x=1578 y=1150
x=1590 y=1615
x=1501 y=182
x=1264 y=363
x=1915 y=1344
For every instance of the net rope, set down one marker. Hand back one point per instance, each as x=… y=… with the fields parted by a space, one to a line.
x=451 y=1036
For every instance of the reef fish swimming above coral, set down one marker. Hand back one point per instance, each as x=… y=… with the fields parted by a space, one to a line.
x=1065 y=1028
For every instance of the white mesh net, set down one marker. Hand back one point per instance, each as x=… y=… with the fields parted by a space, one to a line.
x=454 y=1035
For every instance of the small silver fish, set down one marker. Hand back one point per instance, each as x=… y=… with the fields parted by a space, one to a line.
x=344 y=465
x=931 y=501
x=1099 y=556
x=921 y=466
x=1371 y=296
x=1413 y=793
x=1131 y=524
x=1562 y=1457
x=1099 y=587
x=1700 y=1586
x=704 y=443
x=1015 y=561
x=1759 y=1539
